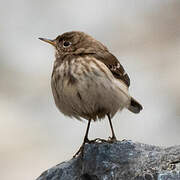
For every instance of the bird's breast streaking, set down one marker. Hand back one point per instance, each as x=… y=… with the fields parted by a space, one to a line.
x=81 y=79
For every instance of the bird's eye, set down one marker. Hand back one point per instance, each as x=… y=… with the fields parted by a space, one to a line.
x=66 y=43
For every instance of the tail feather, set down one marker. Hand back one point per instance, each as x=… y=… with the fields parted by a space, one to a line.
x=134 y=106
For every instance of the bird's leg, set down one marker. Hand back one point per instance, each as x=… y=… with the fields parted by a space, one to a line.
x=87 y=131
x=113 y=138
x=86 y=140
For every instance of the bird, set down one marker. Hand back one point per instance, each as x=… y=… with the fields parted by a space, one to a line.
x=88 y=82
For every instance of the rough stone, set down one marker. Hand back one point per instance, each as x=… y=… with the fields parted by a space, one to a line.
x=122 y=160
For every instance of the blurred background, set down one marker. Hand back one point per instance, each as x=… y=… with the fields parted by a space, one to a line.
x=143 y=35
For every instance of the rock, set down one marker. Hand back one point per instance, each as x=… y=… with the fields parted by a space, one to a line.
x=122 y=160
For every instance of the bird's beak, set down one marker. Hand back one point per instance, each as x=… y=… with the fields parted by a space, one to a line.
x=52 y=42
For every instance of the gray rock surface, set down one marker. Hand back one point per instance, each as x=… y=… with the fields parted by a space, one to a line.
x=123 y=160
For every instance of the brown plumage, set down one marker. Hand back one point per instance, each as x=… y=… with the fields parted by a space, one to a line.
x=88 y=81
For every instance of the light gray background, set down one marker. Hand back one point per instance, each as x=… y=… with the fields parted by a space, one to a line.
x=144 y=36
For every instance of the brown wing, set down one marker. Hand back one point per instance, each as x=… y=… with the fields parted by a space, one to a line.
x=114 y=66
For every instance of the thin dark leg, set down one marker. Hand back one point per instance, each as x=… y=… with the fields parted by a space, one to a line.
x=81 y=149
x=87 y=131
x=113 y=138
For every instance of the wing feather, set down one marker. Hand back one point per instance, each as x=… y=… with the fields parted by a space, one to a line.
x=114 y=65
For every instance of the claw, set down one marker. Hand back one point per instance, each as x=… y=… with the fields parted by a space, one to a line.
x=80 y=151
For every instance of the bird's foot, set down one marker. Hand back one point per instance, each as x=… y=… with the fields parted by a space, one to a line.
x=99 y=140
x=81 y=149
x=112 y=139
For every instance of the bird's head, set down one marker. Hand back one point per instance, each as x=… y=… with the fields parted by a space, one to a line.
x=75 y=42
